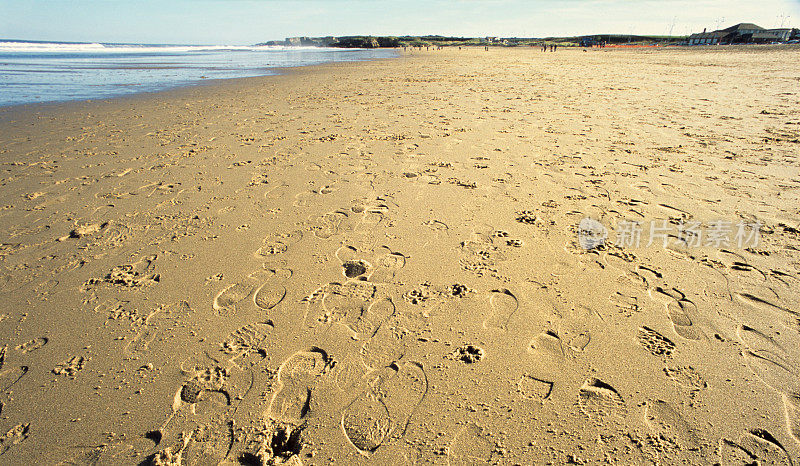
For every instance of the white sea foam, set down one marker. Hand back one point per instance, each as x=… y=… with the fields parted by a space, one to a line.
x=59 y=47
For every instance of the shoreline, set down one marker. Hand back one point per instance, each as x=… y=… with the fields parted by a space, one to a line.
x=278 y=71
x=383 y=260
x=175 y=92
x=271 y=71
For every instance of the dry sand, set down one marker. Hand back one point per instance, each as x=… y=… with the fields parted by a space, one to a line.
x=379 y=263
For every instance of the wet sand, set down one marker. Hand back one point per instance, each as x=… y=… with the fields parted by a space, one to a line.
x=385 y=262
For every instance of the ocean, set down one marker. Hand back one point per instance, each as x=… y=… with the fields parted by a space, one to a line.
x=36 y=72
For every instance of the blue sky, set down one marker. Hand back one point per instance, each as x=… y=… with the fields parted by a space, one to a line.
x=251 y=21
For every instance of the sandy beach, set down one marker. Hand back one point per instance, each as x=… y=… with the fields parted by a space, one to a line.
x=390 y=262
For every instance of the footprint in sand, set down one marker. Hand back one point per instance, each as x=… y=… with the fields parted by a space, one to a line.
x=787 y=316
x=770 y=361
x=755 y=447
x=198 y=426
x=480 y=254
x=378 y=266
x=387 y=264
x=235 y=294
x=330 y=224
x=667 y=424
x=630 y=279
x=337 y=302
x=366 y=324
x=14 y=436
x=70 y=367
x=141 y=341
x=343 y=304
x=272 y=291
x=115 y=309
x=471 y=446
x=145 y=335
x=682 y=313
x=232 y=295
x=439 y=228
x=784 y=283
x=665 y=294
x=579 y=342
x=744 y=275
x=617 y=258
x=354 y=264
x=355 y=268
x=503 y=305
x=278 y=243
x=625 y=304
x=210 y=444
x=468 y=354
x=276 y=192
x=655 y=343
x=304 y=199
x=137 y=275
x=373 y=213
x=328 y=189
x=272 y=443
x=388 y=344
x=647 y=278
x=32 y=345
x=383 y=412
x=687 y=377
x=547 y=344
x=775 y=367
x=791 y=406
x=246 y=340
x=297 y=378
x=366 y=423
x=152 y=324
x=348 y=372
x=534 y=388
x=113 y=450
x=9 y=375
x=599 y=400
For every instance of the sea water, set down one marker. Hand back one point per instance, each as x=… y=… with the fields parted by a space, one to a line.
x=36 y=72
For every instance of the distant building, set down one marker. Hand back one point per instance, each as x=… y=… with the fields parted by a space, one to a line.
x=772 y=35
x=592 y=41
x=742 y=33
x=705 y=38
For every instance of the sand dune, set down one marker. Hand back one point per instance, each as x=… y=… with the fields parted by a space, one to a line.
x=385 y=262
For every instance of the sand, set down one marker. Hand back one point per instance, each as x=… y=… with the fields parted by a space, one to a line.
x=385 y=262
